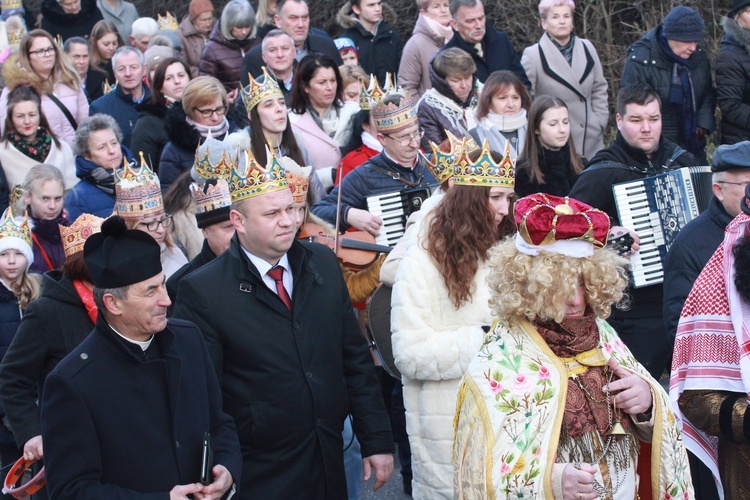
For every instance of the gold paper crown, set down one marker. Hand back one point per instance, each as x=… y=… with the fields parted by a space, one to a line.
x=137 y=192
x=250 y=179
x=214 y=160
x=391 y=117
x=107 y=88
x=213 y=196
x=74 y=236
x=484 y=171
x=298 y=178
x=370 y=95
x=11 y=4
x=443 y=162
x=15 y=33
x=11 y=228
x=166 y=23
x=16 y=194
x=257 y=91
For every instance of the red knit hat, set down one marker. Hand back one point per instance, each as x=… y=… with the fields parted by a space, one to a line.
x=560 y=225
x=198 y=7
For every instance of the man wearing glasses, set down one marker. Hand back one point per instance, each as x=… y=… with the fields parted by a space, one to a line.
x=397 y=168
x=129 y=66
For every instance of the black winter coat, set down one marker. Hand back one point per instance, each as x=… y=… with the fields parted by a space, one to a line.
x=289 y=377
x=121 y=107
x=56 y=22
x=498 y=51
x=559 y=177
x=594 y=187
x=367 y=180
x=688 y=255
x=54 y=324
x=377 y=54
x=116 y=424
x=150 y=132
x=646 y=62
x=178 y=154
x=222 y=58
x=205 y=256
x=733 y=83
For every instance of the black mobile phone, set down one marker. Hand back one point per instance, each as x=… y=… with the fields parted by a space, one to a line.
x=207 y=464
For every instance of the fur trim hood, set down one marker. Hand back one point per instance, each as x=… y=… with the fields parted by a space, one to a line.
x=14 y=76
x=179 y=131
x=736 y=33
x=346 y=19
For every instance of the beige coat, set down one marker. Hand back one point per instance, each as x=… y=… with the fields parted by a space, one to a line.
x=414 y=70
x=581 y=85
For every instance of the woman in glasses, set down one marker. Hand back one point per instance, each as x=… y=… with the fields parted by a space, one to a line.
x=98 y=153
x=320 y=118
x=40 y=65
x=202 y=113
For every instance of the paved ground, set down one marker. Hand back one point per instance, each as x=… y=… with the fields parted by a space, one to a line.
x=392 y=490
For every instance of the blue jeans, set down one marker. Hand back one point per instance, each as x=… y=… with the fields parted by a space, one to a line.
x=352 y=460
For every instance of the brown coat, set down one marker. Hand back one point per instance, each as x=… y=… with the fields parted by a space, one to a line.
x=414 y=71
x=581 y=85
x=192 y=44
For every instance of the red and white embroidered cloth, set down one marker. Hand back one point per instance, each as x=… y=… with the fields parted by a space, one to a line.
x=712 y=348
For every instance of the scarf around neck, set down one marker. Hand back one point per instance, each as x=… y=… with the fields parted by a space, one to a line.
x=444 y=32
x=567 y=49
x=506 y=123
x=204 y=131
x=38 y=149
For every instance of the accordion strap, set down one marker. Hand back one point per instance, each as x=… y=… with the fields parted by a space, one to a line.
x=397 y=176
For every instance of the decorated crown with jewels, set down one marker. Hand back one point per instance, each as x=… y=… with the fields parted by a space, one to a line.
x=74 y=236
x=167 y=22
x=11 y=4
x=250 y=179
x=137 y=192
x=484 y=171
x=372 y=94
x=260 y=90
x=214 y=159
x=298 y=178
x=15 y=32
x=212 y=201
x=390 y=117
x=15 y=228
x=442 y=162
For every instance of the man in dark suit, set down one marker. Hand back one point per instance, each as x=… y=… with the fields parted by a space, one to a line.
x=292 y=17
x=491 y=49
x=286 y=345
x=125 y=413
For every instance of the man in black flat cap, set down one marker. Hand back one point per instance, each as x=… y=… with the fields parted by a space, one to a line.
x=124 y=415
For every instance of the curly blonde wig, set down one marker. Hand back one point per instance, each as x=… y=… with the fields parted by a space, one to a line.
x=531 y=287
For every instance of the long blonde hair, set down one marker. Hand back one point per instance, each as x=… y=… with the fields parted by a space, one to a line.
x=27 y=288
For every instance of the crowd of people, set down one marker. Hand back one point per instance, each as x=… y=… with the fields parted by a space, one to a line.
x=172 y=326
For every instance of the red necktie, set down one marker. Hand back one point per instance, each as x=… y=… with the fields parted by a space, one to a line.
x=277 y=274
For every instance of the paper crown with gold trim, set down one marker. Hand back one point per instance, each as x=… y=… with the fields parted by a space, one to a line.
x=212 y=202
x=16 y=194
x=444 y=156
x=260 y=90
x=74 y=236
x=15 y=29
x=166 y=22
x=485 y=171
x=372 y=94
x=298 y=178
x=391 y=117
x=15 y=233
x=137 y=192
x=214 y=159
x=107 y=87
x=251 y=179
x=559 y=225
x=7 y=5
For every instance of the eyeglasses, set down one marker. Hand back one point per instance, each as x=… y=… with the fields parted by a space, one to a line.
x=405 y=141
x=165 y=222
x=42 y=52
x=743 y=184
x=205 y=113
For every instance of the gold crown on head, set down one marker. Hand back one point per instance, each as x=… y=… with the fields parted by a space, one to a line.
x=167 y=22
x=15 y=32
x=107 y=88
x=258 y=91
x=484 y=171
x=298 y=178
x=137 y=192
x=12 y=228
x=214 y=159
x=74 y=236
x=442 y=162
x=16 y=194
x=251 y=179
x=391 y=117
x=372 y=94
x=212 y=196
x=11 y=4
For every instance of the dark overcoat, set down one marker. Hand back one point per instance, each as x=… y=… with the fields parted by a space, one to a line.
x=118 y=426
x=289 y=377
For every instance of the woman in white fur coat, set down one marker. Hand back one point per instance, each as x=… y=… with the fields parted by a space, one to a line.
x=439 y=308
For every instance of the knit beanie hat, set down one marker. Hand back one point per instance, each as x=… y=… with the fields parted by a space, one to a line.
x=683 y=24
x=198 y=7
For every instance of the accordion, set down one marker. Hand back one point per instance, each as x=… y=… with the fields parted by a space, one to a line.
x=394 y=208
x=656 y=208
